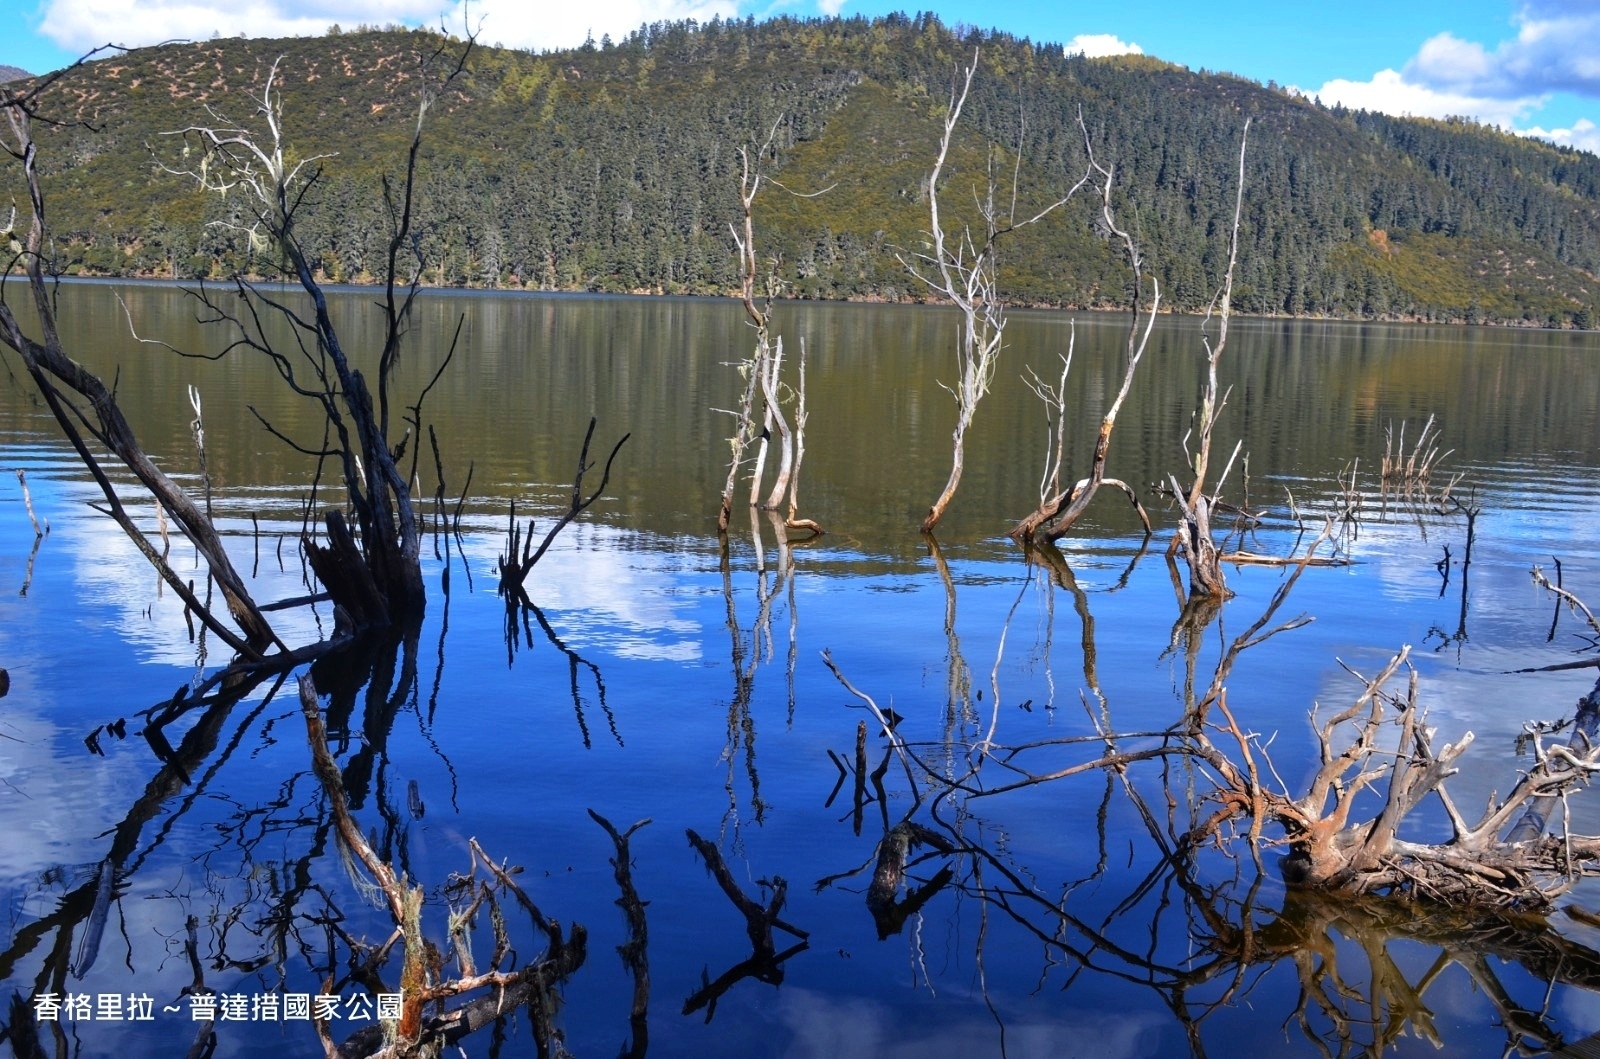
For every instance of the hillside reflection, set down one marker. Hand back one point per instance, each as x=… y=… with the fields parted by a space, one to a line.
x=168 y=843
x=271 y=909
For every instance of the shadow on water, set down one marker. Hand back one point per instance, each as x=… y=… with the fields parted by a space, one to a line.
x=1024 y=909
x=1194 y=928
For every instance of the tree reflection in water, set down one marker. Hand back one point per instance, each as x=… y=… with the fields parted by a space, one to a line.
x=278 y=919
x=1362 y=966
x=1197 y=927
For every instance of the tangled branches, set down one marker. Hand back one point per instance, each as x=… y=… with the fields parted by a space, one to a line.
x=1334 y=845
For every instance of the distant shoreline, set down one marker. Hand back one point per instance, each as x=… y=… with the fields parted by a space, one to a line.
x=430 y=289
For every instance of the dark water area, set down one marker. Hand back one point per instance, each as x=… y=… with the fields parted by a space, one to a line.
x=667 y=682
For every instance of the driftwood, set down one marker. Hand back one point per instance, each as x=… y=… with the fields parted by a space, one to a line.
x=1364 y=964
x=1343 y=833
x=421 y=986
x=859 y=774
x=1333 y=847
x=358 y=602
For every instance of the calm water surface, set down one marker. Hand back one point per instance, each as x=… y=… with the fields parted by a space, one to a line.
x=672 y=685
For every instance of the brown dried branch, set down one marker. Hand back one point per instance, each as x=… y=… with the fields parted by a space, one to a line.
x=420 y=984
x=1333 y=848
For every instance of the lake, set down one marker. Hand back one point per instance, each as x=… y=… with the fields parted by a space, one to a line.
x=663 y=676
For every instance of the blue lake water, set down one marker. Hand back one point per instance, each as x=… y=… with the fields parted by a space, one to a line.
x=686 y=687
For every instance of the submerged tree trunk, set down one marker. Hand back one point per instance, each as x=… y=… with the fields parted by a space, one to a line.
x=1194 y=535
x=958 y=460
x=1060 y=509
x=963 y=270
x=763 y=372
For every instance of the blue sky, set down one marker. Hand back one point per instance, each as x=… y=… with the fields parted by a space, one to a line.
x=1531 y=65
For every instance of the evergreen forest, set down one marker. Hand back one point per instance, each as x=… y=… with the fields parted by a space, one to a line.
x=615 y=167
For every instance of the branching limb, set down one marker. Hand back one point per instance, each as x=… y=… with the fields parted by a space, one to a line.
x=962 y=269
x=514 y=570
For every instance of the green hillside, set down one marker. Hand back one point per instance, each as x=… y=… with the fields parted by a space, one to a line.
x=613 y=167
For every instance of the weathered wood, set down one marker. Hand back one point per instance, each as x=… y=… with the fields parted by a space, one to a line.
x=342 y=568
x=889 y=913
x=1060 y=510
x=1585 y=738
x=1333 y=850
x=962 y=269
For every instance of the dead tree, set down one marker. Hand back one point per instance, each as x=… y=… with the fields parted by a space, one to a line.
x=1197 y=502
x=1060 y=508
x=514 y=568
x=77 y=398
x=369 y=567
x=1378 y=763
x=486 y=992
x=1501 y=858
x=962 y=268
x=376 y=574
x=763 y=376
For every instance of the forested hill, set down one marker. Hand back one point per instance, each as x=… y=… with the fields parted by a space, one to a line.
x=614 y=167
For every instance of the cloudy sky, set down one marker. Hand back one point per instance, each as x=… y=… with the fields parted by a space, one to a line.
x=1529 y=65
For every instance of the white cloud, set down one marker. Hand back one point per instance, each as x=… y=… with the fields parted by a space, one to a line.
x=1556 y=49
x=78 y=25
x=1447 y=59
x=1392 y=92
x=1100 y=45
x=1584 y=135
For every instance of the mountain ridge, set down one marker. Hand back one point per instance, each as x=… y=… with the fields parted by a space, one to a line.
x=614 y=167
